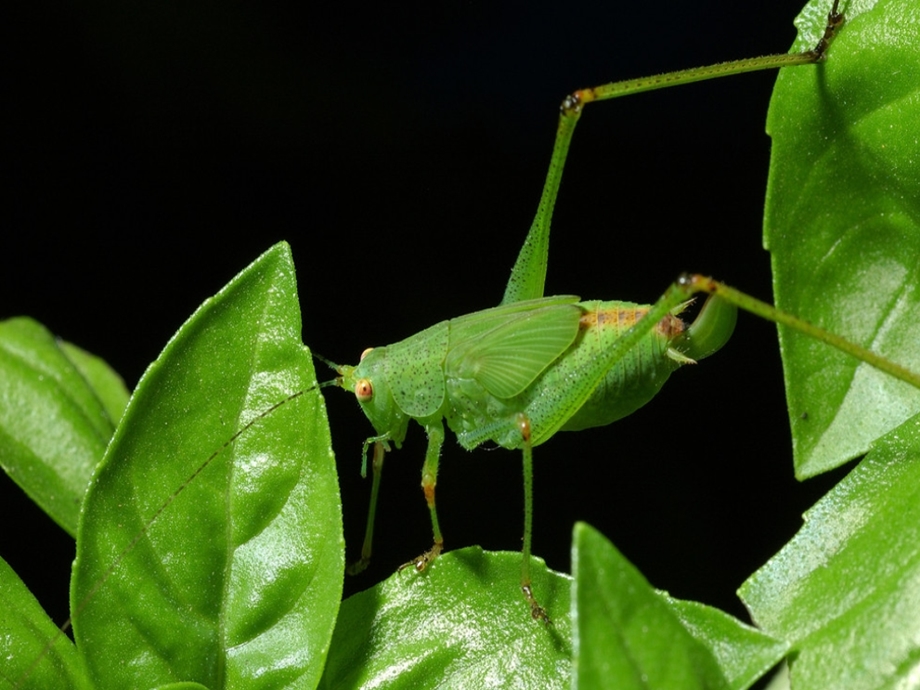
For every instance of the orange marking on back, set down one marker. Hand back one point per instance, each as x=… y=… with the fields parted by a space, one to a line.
x=670 y=326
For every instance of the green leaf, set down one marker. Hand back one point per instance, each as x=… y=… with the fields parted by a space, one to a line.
x=210 y=550
x=842 y=225
x=846 y=590
x=629 y=635
x=105 y=381
x=744 y=653
x=34 y=653
x=54 y=422
x=463 y=623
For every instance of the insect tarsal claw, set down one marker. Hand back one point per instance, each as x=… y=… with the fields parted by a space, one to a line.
x=537 y=612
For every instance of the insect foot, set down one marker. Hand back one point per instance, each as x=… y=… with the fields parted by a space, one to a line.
x=358 y=566
x=537 y=612
x=423 y=561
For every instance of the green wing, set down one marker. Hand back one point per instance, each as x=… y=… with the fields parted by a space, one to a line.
x=415 y=367
x=506 y=348
x=473 y=325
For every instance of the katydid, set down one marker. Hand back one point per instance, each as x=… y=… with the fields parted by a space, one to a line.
x=526 y=300
x=516 y=374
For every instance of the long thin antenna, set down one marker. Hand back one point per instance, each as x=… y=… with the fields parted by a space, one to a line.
x=332 y=365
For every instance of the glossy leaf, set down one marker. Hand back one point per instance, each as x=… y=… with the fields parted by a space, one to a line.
x=58 y=410
x=203 y=557
x=105 y=381
x=34 y=653
x=744 y=653
x=463 y=623
x=845 y=592
x=629 y=635
x=843 y=225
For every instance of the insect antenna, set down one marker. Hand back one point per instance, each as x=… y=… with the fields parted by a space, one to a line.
x=337 y=381
x=332 y=365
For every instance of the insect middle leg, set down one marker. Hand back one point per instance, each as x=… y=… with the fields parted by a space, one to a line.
x=429 y=481
x=537 y=611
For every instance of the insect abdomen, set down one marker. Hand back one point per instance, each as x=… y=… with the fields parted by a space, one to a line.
x=567 y=395
x=636 y=378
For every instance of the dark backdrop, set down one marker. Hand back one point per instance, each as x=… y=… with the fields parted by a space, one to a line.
x=155 y=149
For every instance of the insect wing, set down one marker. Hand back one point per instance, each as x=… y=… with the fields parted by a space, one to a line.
x=473 y=325
x=508 y=357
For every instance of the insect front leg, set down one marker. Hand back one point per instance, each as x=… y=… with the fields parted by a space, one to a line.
x=380 y=449
x=429 y=481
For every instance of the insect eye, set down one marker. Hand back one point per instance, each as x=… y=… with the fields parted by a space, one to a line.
x=364 y=391
x=365 y=354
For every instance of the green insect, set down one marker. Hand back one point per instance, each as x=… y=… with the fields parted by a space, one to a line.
x=512 y=375
x=516 y=374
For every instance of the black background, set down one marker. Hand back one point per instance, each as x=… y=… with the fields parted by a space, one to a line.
x=156 y=149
